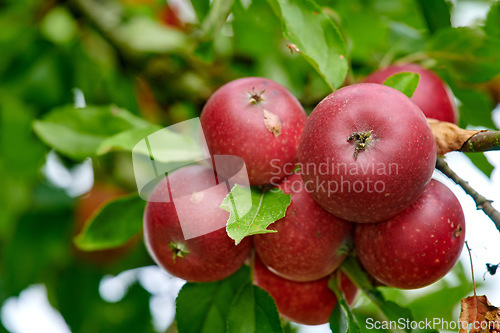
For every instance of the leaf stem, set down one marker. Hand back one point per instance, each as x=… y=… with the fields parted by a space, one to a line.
x=481 y=202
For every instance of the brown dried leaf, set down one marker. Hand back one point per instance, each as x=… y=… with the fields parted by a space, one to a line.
x=483 y=317
x=448 y=136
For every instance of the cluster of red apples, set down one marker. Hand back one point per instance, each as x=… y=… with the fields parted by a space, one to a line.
x=365 y=157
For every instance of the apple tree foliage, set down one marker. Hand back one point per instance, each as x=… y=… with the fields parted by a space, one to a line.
x=138 y=73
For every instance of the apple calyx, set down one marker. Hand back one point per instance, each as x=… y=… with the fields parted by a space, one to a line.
x=361 y=140
x=178 y=249
x=256 y=97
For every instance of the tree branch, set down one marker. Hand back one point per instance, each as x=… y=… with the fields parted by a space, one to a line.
x=482 y=141
x=481 y=202
x=450 y=137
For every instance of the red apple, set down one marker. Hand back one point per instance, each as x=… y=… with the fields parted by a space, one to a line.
x=186 y=247
x=418 y=246
x=366 y=153
x=309 y=303
x=258 y=120
x=309 y=243
x=432 y=95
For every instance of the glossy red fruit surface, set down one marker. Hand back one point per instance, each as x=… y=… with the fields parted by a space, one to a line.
x=366 y=153
x=309 y=243
x=432 y=95
x=196 y=193
x=258 y=120
x=418 y=246
x=309 y=303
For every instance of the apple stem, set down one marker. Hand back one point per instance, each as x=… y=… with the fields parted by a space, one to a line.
x=178 y=249
x=256 y=97
x=361 y=140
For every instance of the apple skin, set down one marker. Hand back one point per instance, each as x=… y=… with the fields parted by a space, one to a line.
x=264 y=131
x=308 y=241
x=86 y=207
x=212 y=256
x=309 y=303
x=388 y=175
x=432 y=95
x=418 y=246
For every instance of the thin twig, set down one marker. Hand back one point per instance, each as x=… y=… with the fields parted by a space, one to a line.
x=471 y=268
x=481 y=202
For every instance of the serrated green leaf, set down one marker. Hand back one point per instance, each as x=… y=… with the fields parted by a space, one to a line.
x=262 y=210
x=492 y=24
x=391 y=310
x=469 y=53
x=317 y=37
x=204 y=307
x=342 y=319
x=114 y=225
x=404 y=82
x=436 y=14
x=253 y=311
x=78 y=132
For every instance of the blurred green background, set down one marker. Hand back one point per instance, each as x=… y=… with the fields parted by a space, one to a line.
x=161 y=61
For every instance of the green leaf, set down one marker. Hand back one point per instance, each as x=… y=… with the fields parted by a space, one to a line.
x=405 y=39
x=114 y=225
x=262 y=210
x=342 y=318
x=125 y=140
x=201 y=8
x=481 y=162
x=475 y=107
x=165 y=146
x=40 y=239
x=216 y=17
x=251 y=35
x=83 y=308
x=492 y=24
x=317 y=37
x=405 y=82
x=436 y=14
x=467 y=52
x=365 y=45
x=78 y=132
x=253 y=310
x=204 y=307
x=391 y=310
x=144 y=34
x=442 y=300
